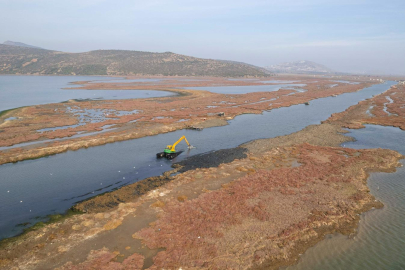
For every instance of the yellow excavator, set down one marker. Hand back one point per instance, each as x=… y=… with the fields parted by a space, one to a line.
x=170 y=150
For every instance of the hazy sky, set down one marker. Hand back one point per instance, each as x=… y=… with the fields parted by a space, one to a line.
x=345 y=35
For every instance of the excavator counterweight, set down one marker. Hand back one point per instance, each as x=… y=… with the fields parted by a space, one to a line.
x=170 y=150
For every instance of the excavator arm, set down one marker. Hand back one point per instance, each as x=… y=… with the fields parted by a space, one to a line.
x=173 y=147
x=188 y=144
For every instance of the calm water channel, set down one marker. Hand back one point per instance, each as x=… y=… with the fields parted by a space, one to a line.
x=380 y=241
x=18 y=91
x=33 y=189
x=251 y=88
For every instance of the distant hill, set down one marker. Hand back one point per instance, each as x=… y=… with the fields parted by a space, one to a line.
x=306 y=67
x=27 y=60
x=19 y=44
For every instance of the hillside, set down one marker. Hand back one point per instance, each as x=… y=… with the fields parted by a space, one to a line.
x=306 y=67
x=25 y=60
x=19 y=44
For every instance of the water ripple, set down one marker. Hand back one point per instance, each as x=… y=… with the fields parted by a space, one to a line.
x=380 y=241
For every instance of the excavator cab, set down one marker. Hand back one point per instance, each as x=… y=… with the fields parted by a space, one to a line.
x=170 y=150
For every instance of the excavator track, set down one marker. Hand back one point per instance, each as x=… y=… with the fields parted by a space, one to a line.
x=168 y=155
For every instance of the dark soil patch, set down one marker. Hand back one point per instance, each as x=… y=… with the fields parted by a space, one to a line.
x=212 y=159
